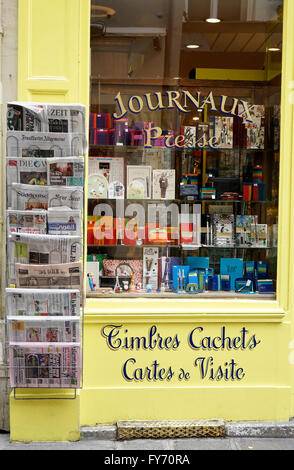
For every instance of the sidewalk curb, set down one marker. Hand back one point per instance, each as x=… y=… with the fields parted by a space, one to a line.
x=249 y=429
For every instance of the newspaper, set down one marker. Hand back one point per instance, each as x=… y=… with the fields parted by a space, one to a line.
x=28 y=197
x=26 y=221
x=26 y=171
x=44 y=144
x=43 y=302
x=64 y=222
x=70 y=197
x=50 y=276
x=44 y=330
x=46 y=117
x=45 y=365
x=68 y=171
x=41 y=249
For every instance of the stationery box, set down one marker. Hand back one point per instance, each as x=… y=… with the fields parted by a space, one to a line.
x=165 y=269
x=101 y=137
x=207 y=193
x=120 y=129
x=90 y=230
x=233 y=267
x=247 y=191
x=198 y=262
x=132 y=233
x=103 y=121
x=154 y=234
x=104 y=231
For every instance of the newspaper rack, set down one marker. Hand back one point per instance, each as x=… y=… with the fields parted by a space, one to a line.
x=44 y=300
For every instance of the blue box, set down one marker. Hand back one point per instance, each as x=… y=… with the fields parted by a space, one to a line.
x=197 y=262
x=176 y=270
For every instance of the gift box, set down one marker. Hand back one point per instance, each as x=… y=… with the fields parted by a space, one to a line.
x=120 y=129
x=103 y=121
x=154 y=234
x=124 y=268
x=132 y=233
x=90 y=229
x=101 y=137
x=207 y=193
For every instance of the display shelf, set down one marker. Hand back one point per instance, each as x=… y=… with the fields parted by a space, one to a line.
x=169 y=295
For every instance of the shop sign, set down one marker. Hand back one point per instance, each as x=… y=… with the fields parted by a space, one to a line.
x=184 y=102
x=204 y=363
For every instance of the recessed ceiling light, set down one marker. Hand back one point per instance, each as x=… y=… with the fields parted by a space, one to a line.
x=274 y=49
x=193 y=46
x=195 y=118
x=213 y=20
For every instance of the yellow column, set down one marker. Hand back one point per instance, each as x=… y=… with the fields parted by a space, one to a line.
x=53 y=66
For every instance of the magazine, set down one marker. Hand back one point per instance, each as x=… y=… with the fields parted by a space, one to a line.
x=26 y=221
x=45 y=365
x=44 y=330
x=44 y=144
x=49 y=276
x=43 y=302
x=46 y=117
x=67 y=171
x=41 y=249
x=259 y=235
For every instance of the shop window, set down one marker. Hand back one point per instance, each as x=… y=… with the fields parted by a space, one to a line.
x=183 y=166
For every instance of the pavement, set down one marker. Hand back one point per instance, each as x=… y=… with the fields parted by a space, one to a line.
x=172 y=446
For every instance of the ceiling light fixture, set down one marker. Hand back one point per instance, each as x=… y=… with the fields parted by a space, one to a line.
x=213 y=12
x=196 y=118
x=192 y=46
x=274 y=49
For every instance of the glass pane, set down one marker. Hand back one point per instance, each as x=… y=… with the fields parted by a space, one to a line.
x=183 y=167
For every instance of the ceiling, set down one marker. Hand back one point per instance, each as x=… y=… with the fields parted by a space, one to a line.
x=248 y=28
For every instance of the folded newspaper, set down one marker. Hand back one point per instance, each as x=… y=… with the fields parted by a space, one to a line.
x=50 y=276
x=67 y=171
x=43 y=302
x=46 y=117
x=27 y=222
x=29 y=197
x=44 y=144
x=45 y=365
x=41 y=249
x=44 y=330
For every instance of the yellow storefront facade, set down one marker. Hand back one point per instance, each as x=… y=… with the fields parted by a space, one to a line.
x=152 y=358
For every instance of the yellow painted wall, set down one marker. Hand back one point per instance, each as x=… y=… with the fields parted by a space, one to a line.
x=53 y=66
